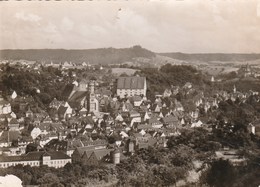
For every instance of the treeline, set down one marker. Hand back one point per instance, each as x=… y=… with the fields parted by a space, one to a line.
x=72 y=175
x=93 y=56
x=42 y=85
x=172 y=75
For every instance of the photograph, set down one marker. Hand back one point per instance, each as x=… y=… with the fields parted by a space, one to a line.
x=130 y=93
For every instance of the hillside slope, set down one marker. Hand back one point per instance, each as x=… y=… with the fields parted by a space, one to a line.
x=93 y=56
x=208 y=57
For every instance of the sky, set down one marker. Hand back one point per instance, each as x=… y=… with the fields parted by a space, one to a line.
x=189 y=26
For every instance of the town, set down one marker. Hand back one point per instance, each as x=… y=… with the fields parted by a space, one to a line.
x=57 y=115
x=130 y=93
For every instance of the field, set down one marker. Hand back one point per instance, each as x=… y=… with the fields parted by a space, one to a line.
x=218 y=69
x=119 y=71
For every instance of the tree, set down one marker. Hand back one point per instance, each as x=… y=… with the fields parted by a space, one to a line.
x=220 y=174
x=49 y=179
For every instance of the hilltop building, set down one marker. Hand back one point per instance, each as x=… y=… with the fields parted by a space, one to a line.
x=131 y=86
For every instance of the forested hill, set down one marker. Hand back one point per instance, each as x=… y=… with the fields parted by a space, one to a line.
x=93 y=56
x=113 y=55
x=207 y=57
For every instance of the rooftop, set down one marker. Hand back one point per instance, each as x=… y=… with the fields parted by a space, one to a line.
x=131 y=82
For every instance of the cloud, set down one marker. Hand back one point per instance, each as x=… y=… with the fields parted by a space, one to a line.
x=186 y=26
x=27 y=17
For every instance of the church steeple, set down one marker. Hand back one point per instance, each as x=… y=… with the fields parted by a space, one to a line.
x=93 y=102
x=234 y=89
x=92 y=87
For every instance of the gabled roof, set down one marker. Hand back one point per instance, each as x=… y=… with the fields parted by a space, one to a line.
x=137 y=135
x=134 y=113
x=55 y=102
x=55 y=144
x=11 y=135
x=131 y=82
x=67 y=90
x=153 y=119
x=89 y=149
x=143 y=126
x=13 y=121
x=83 y=110
x=78 y=95
x=87 y=120
x=99 y=154
x=95 y=143
x=170 y=119
x=74 y=143
x=55 y=155
x=62 y=110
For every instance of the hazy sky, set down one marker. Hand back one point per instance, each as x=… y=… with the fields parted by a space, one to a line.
x=194 y=26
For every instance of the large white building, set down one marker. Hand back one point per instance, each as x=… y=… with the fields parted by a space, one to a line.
x=131 y=86
x=55 y=159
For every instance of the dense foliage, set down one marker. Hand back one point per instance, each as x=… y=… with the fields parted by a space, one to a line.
x=43 y=85
x=172 y=75
x=70 y=175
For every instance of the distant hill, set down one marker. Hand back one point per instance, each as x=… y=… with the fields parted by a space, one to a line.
x=135 y=55
x=93 y=56
x=208 y=57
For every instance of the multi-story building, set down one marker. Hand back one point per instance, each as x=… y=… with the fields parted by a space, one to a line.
x=131 y=86
x=55 y=159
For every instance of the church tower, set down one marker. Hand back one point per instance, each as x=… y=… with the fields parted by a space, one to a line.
x=234 y=89
x=93 y=102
